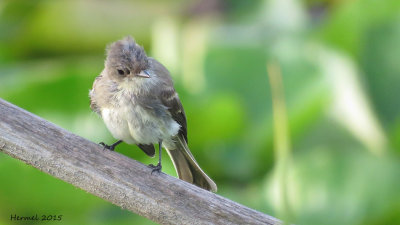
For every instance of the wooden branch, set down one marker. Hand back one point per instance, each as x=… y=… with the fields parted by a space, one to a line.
x=114 y=177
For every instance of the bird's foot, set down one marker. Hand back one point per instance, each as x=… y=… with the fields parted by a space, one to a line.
x=109 y=147
x=156 y=168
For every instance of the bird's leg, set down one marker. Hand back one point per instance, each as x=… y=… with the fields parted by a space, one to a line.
x=110 y=147
x=158 y=166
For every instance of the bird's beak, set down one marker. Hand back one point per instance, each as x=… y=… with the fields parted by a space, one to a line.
x=143 y=74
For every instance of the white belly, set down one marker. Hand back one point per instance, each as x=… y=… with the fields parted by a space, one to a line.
x=135 y=125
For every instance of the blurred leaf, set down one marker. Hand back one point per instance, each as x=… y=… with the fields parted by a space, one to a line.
x=380 y=65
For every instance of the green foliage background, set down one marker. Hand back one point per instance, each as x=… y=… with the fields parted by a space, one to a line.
x=341 y=77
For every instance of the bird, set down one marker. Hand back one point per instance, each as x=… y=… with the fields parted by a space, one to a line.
x=136 y=98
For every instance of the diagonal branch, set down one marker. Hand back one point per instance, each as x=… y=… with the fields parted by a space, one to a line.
x=114 y=177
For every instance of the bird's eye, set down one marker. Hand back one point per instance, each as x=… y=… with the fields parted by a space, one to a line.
x=121 y=72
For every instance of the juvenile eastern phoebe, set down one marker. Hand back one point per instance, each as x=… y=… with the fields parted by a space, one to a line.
x=135 y=96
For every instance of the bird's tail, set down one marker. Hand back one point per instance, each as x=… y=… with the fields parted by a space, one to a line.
x=187 y=167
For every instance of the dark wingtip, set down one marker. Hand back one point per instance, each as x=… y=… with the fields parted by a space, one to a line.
x=148 y=149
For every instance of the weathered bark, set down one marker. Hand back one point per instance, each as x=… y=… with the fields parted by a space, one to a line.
x=114 y=177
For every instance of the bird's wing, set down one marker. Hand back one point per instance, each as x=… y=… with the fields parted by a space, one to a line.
x=168 y=96
x=170 y=99
x=93 y=105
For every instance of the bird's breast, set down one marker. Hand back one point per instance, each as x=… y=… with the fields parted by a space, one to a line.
x=135 y=124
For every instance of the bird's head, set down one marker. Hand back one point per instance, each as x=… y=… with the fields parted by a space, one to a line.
x=126 y=60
